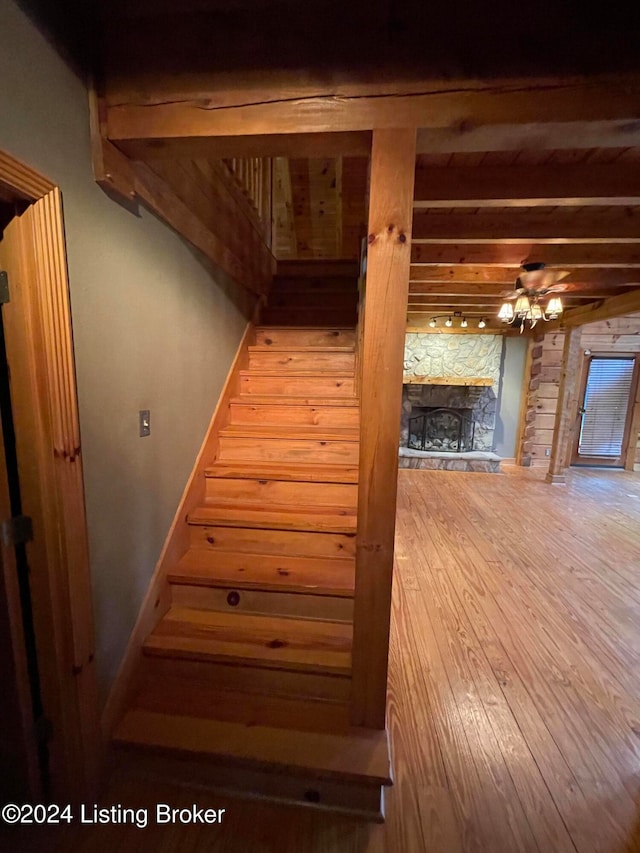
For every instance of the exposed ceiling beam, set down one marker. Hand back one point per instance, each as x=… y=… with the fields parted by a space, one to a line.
x=487 y=311
x=429 y=301
x=466 y=301
x=312 y=145
x=537 y=137
x=562 y=185
x=559 y=135
x=496 y=290
x=621 y=225
x=421 y=326
x=476 y=274
x=459 y=105
x=570 y=255
x=616 y=306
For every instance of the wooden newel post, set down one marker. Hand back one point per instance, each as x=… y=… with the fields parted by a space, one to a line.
x=381 y=362
x=567 y=411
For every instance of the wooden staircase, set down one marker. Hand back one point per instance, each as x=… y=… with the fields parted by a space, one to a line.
x=257 y=637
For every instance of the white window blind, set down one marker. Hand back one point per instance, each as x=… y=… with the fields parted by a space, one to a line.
x=606 y=404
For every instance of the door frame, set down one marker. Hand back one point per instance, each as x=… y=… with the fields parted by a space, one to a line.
x=63 y=620
x=597 y=461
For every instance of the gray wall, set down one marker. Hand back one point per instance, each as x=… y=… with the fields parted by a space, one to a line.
x=514 y=355
x=154 y=328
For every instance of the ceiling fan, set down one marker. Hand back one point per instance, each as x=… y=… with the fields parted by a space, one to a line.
x=534 y=281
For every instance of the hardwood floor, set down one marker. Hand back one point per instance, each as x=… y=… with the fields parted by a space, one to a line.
x=514 y=697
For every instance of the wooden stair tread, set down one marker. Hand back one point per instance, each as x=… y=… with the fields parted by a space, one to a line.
x=361 y=756
x=319 y=519
x=270 y=348
x=274 y=327
x=289 y=431
x=286 y=400
x=324 y=267
x=293 y=286
x=315 y=575
x=276 y=642
x=299 y=374
x=317 y=472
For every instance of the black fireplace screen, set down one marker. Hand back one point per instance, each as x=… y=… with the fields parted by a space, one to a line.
x=441 y=429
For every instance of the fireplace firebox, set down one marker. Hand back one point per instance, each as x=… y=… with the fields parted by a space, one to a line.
x=441 y=429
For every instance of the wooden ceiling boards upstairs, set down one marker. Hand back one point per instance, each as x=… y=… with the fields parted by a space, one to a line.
x=319 y=207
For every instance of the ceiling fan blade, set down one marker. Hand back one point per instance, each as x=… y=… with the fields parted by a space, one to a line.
x=552 y=277
x=512 y=294
x=532 y=279
x=560 y=288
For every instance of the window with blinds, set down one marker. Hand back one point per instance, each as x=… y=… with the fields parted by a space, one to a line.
x=606 y=403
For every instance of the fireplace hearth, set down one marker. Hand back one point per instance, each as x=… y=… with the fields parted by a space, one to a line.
x=444 y=429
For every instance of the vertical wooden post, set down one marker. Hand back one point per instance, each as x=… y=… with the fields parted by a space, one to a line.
x=633 y=445
x=381 y=362
x=523 y=456
x=567 y=411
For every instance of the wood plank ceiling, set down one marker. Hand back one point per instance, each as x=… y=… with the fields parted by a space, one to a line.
x=479 y=215
x=534 y=175
x=319 y=207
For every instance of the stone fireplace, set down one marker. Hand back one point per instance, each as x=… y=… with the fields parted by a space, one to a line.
x=476 y=404
x=450 y=401
x=441 y=429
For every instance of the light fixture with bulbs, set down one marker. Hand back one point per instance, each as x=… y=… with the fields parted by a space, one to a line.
x=450 y=318
x=533 y=283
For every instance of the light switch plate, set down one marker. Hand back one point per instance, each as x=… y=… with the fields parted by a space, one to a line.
x=144 y=422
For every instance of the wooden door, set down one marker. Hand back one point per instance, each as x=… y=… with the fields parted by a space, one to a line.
x=22 y=761
x=39 y=348
x=606 y=406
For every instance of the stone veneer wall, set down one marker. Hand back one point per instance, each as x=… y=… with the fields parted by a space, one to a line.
x=469 y=356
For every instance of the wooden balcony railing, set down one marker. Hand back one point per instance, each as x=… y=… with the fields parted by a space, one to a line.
x=254 y=176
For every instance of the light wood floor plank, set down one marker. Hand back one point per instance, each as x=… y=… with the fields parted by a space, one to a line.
x=514 y=685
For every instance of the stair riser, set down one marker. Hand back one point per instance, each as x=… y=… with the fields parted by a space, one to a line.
x=348 y=284
x=310 y=317
x=326 y=300
x=205 y=699
x=326 y=658
x=267 y=572
x=357 y=802
x=305 y=337
x=326 y=269
x=290 y=473
x=266 y=603
x=285 y=542
x=297 y=386
x=278 y=360
x=293 y=685
x=268 y=415
x=282 y=492
x=287 y=450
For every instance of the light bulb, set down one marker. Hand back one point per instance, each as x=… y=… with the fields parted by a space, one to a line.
x=506 y=312
x=448 y=322
x=432 y=322
x=535 y=312
x=481 y=323
x=554 y=308
x=463 y=324
x=523 y=306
